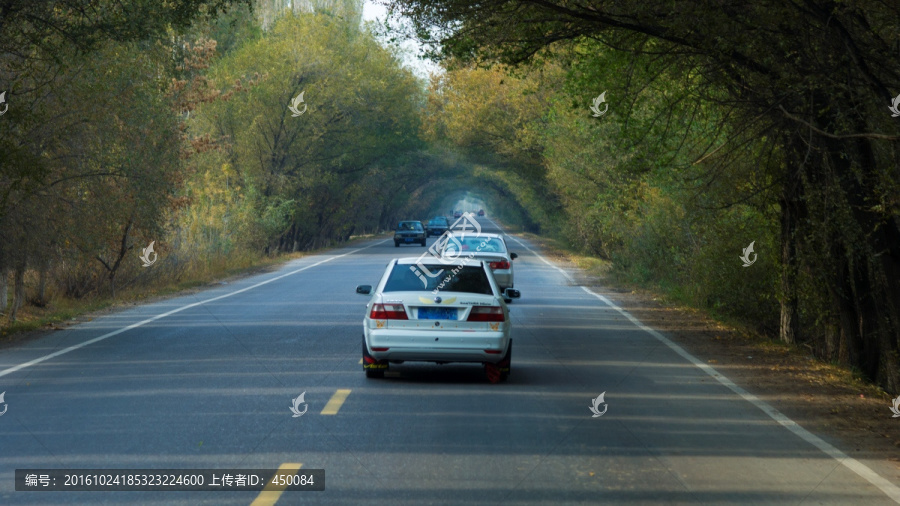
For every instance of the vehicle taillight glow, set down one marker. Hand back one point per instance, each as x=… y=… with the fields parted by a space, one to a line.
x=486 y=314
x=388 y=312
x=503 y=264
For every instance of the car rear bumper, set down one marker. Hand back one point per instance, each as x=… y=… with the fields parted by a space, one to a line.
x=437 y=346
x=504 y=279
x=409 y=238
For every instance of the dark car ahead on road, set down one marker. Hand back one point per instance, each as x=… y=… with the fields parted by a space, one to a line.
x=481 y=212
x=409 y=232
x=437 y=225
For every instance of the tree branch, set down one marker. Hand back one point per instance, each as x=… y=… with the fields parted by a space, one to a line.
x=836 y=136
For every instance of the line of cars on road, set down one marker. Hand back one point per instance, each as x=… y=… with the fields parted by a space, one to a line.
x=458 y=214
x=448 y=305
x=416 y=232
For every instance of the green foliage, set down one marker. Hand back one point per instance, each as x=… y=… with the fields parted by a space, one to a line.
x=91 y=147
x=496 y=120
x=95 y=161
x=645 y=185
x=34 y=29
x=759 y=104
x=311 y=174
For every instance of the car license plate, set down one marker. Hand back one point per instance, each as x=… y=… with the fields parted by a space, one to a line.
x=408 y=239
x=437 y=313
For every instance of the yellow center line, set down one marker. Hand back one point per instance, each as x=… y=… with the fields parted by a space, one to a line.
x=360 y=361
x=336 y=401
x=270 y=494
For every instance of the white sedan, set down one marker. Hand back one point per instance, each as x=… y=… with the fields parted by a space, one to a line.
x=437 y=311
x=488 y=247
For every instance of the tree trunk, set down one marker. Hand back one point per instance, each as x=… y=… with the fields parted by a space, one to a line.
x=867 y=291
x=831 y=344
x=41 y=299
x=4 y=289
x=18 y=292
x=852 y=247
x=789 y=329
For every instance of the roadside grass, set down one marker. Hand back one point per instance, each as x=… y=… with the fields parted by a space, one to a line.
x=61 y=310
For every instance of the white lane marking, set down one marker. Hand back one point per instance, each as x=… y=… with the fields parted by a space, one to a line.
x=564 y=273
x=170 y=313
x=854 y=465
x=850 y=463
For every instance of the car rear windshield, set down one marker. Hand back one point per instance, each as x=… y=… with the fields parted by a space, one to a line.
x=409 y=225
x=475 y=244
x=447 y=278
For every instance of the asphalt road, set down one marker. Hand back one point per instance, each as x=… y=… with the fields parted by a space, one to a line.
x=210 y=385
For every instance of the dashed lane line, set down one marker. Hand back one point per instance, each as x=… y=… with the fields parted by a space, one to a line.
x=272 y=491
x=336 y=401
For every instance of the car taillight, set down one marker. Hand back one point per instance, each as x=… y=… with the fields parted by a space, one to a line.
x=503 y=264
x=486 y=314
x=388 y=312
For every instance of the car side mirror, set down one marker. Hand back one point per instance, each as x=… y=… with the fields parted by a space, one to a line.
x=513 y=256
x=511 y=293
x=364 y=289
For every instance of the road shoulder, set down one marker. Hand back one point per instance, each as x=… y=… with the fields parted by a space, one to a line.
x=824 y=399
x=12 y=339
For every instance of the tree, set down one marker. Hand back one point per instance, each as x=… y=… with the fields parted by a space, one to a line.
x=62 y=140
x=495 y=119
x=307 y=173
x=813 y=76
x=43 y=28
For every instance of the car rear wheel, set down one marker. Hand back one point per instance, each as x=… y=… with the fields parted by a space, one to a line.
x=499 y=372
x=374 y=368
x=396 y=244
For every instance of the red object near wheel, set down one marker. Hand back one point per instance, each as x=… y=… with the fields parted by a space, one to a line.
x=492 y=372
x=374 y=368
x=499 y=372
